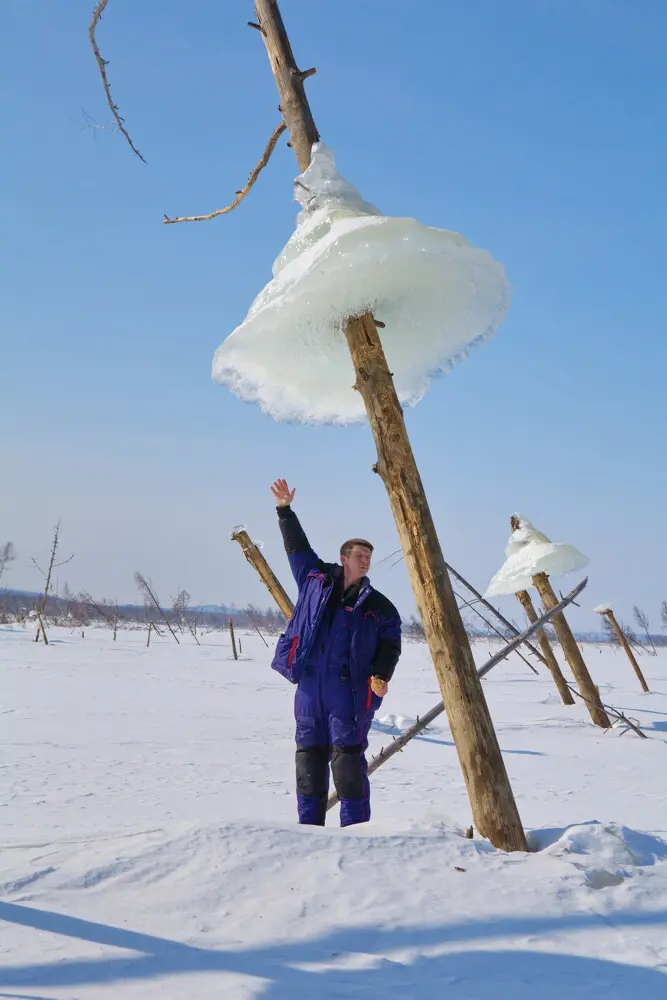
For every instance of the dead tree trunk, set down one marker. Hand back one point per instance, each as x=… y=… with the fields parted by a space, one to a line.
x=492 y=801
x=231 y=634
x=547 y=651
x=587 y=688
x=626 y=646
x=255 y=557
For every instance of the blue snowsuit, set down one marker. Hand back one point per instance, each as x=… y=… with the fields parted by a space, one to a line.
x=334 y=643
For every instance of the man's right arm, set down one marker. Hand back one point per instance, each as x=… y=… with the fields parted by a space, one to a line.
x=301 y=557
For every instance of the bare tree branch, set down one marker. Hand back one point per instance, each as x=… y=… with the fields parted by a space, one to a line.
x=642 y=620
x=102 y=64
x=240 y=195
x=7 y=555
x=149 y=596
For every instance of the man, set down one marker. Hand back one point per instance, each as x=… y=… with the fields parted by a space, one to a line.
x=340 y=648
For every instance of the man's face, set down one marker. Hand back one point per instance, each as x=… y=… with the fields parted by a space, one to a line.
x=358 y=563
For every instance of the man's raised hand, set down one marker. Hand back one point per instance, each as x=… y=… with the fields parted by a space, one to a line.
x=283 y=494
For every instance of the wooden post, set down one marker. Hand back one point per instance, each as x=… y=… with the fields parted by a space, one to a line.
x=547 y=651
x=587 y=688
x=148 y=640
x=626 y=646
x=491 y=798
x=254 y=555
x=40 y=628
x=231 y=633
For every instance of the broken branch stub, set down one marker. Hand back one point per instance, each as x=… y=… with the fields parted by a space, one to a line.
x=256 y=558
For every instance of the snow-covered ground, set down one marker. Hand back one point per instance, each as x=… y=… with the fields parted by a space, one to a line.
x=149 y=845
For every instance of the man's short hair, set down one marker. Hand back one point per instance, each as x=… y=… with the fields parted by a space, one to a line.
x=347 y=546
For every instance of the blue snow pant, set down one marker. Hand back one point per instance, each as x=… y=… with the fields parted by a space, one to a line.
x=327 y=733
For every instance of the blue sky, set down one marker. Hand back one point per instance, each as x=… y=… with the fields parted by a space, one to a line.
x=535 y=128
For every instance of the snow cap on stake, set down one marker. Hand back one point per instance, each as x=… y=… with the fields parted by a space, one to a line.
x=435 y=293
x=530 y=552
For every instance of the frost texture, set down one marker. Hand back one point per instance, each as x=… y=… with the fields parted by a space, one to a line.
x=529 y=552
x=602 y=609
x=437 y=295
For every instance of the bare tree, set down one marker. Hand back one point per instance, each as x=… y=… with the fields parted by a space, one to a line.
x=180 y=608
x=147 y=591
x=642 y=621
x=48 y=576
x=7 y=555
x=663 y=614
x=181 y=612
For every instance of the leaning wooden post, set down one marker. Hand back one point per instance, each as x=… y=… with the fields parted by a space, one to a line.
x=547 y=652
x=40 y=628
x=492 y=801
x=231 y=633
x=626 y=646
x=572 y=653
x=255 y=557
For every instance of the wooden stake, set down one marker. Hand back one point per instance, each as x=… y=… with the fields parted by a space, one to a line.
x=148 y=640
x=40 y=628
x=626 y=646
x=254 y=555
x=547 y=651
x=231 y=633
x=587 y=688
x=493 y=806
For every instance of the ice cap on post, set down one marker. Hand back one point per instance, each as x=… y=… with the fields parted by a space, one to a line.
x=436 y=294
x=530 y=552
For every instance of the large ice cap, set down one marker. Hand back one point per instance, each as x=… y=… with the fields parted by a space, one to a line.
x=437 y=294
x=530 y=552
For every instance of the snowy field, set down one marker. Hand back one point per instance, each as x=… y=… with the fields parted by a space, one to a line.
x=149 y=845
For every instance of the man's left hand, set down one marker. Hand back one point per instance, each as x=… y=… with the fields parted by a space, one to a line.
x=379 y=687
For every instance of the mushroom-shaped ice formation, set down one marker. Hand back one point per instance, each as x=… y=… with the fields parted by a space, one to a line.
x=436 y=294
x=530 y=552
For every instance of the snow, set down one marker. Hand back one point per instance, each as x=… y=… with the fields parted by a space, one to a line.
x=437 y=294
x=149 y=847
x=530 y=552
x=603 y=609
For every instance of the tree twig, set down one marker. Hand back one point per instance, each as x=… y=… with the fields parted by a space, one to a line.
x=240 y=195
x=102 y=64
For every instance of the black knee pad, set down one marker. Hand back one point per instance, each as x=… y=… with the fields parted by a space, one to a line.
x=347 y=771
x=312 y=765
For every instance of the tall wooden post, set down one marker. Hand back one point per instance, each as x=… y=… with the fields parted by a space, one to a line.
x=492 y=801
x=255 y=557
x=232 y=637
x=547 y=651
x=587 y=688
x=626 y=646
